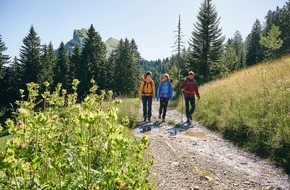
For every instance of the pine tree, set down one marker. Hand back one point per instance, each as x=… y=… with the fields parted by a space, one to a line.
x=178 y=45
x=126 y=64
x=3 y=58
x=254 y=49
x=122 y=69
x=238 y=45
x=94 y=63
x=206 y=43
x=136 y=69
x=30 y=59
x=281 y=18
x=48 y=63
x=234 y=53
x=10 y=83
x=75 y=60
x=61 y=70
x=111 y=72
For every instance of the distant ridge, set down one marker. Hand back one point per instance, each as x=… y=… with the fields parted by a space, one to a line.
x=79 y=37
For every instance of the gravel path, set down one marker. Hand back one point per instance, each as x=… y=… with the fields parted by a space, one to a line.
x=193 y=157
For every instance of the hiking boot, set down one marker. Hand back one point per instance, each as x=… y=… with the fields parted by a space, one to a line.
x=149 y=119
x=159 y=116
x=188 y=120
x=163 y=120
x=144 y=119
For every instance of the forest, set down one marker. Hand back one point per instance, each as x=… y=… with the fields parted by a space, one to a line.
x=210 y=56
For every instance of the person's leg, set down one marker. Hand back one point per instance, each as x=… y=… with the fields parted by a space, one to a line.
x=149 y=107
x=192 y=104
x=187 y=107
x=160 y=107
x=165 y=108
x=144 y=102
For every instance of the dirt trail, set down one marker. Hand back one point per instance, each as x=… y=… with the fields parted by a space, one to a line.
x=193 y=157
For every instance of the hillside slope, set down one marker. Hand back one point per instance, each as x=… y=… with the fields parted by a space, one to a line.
x=252 y=108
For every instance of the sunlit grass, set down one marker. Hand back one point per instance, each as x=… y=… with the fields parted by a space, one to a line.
x=252 y=108
x=130 y=107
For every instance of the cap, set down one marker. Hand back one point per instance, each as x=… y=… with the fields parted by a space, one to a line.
x=190 y=73
x=148 y=73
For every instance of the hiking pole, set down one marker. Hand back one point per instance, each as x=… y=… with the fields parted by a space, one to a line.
x=181 y=107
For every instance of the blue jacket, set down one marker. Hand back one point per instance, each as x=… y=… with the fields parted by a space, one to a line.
x=164 y=90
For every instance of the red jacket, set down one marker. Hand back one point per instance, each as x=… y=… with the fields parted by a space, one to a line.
x=189 y=88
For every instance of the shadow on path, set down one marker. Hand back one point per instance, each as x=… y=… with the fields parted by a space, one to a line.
x=154 y=127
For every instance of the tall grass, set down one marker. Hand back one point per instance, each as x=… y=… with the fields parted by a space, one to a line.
x=252 y=108
x=130 y=108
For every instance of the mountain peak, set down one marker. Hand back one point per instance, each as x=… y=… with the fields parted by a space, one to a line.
x=79 y=37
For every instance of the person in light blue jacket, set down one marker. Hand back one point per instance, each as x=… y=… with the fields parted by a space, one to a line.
x=164 y=93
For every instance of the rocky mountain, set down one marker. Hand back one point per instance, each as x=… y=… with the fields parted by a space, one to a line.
x=79 y=37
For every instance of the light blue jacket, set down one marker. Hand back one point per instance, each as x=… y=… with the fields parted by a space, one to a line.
x=164 y=90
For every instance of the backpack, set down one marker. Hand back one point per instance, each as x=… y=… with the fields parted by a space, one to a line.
x=146 y=84
x=188 y=82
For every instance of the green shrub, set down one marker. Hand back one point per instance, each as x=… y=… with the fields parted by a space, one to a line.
x=66 y=145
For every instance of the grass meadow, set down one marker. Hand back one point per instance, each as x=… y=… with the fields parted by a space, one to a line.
x=251 y=107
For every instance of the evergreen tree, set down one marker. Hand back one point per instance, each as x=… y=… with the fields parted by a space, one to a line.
x=233 y=58
x=229 y=58
x=238 y=46
x=123 y=75
x=75 y=60
x=126 y=65
x=94 y=63
x=206 y=43
x=48 y=64
x=3 y=58
x=254 y=49
x=10 y=83
x=111 y=72
x=61 y=70
x=30 y=59
x=136 y=69
x=281 y=19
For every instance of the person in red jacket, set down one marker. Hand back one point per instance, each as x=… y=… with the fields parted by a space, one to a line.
x=190 y=90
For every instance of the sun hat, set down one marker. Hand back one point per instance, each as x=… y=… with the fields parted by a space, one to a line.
x=190 y=73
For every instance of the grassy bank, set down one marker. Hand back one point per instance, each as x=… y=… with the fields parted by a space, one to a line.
x=252 y=108
x=130 y=108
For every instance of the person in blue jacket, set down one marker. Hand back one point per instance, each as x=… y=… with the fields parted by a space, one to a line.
x=164 y=93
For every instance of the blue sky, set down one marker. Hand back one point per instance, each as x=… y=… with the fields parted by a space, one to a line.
x=150 y=22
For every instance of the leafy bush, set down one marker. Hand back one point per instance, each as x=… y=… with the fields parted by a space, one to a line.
x=66 y=145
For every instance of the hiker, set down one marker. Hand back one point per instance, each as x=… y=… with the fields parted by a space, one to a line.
x=164 y=93
x=146 y=94
x=190 y=90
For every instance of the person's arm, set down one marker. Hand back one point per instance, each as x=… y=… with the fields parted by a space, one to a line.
x=158 y=92
x=196 y=90
x=141 y=89
x=170 y=92
x=153 y=88
x=182 y=86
